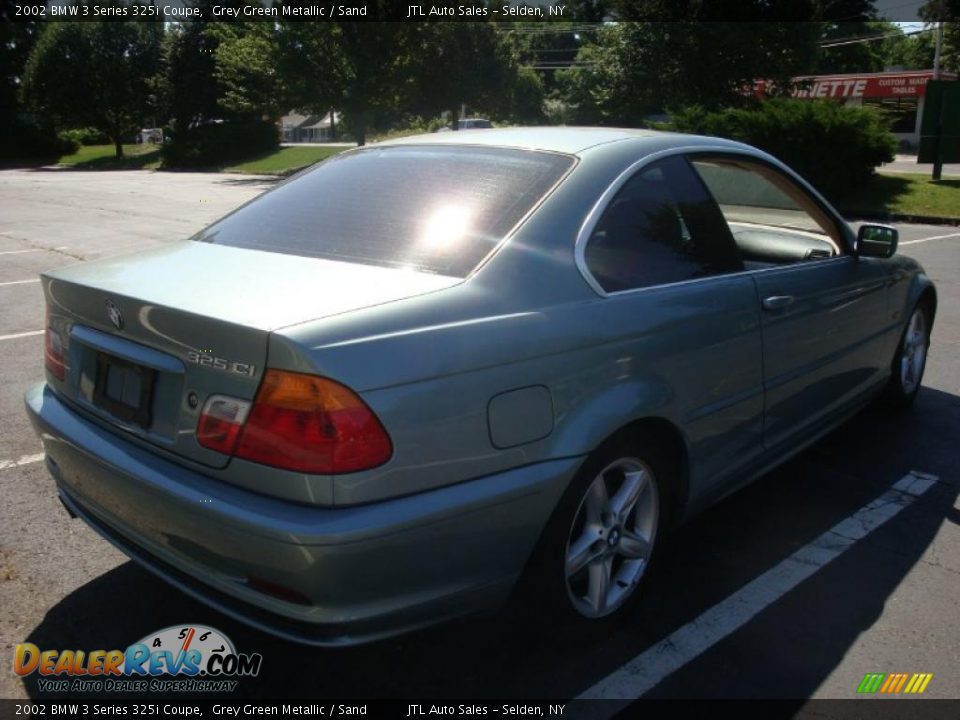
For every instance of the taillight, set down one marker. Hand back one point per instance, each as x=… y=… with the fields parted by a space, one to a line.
x=220 y=423
x=53 y=349
x=302 y=423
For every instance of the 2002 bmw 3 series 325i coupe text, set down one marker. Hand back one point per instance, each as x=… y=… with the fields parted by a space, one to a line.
x=379 y=394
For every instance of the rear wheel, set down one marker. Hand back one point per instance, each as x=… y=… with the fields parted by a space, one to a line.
x=611 y=537
x=601 y=539
x=910 y=360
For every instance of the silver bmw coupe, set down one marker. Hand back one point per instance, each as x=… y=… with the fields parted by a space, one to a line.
x=380 y=394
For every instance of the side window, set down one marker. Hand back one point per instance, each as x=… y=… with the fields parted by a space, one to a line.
x=661 y=227
x=773 y=220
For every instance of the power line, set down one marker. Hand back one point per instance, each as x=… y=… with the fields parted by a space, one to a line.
x=870 y=38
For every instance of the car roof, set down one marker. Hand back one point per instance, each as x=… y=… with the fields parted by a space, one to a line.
x=569 y=140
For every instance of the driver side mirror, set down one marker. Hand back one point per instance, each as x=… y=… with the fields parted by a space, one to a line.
x=878 y=241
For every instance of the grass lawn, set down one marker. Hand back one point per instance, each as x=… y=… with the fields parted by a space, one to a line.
x=101 y=157
x=905 y=194
x=281 y=161
x=284 y=161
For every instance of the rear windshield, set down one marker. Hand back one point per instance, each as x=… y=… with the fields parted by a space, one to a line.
x=429 y=208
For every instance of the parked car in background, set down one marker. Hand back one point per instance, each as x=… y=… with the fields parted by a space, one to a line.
x=150 y=135
x=469 y=124
x=474 y=124
x=380 y=394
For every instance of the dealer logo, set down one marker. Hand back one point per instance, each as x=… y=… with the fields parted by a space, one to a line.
x=190 y=657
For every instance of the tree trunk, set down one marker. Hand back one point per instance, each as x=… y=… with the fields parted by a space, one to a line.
x=362 y=135
x=118 y=148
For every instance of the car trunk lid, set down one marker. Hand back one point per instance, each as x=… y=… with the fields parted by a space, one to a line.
x=148 y=338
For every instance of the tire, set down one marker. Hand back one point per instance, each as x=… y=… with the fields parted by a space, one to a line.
x=603 y=535
x=910 y=360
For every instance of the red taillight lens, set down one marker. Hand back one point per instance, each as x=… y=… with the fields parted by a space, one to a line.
x=299 y=422
x=220 y=423
x=53 y=350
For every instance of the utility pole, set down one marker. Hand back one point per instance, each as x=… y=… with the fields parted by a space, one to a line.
x=938 y=48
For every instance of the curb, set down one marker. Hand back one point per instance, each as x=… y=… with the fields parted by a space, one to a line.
x=897 y=217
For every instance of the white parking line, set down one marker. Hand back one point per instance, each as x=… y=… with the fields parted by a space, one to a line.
x=928 y=239
x=20 y=282
x=21 y=335
x=20 y=252
x=646 y=670
x=25 y=460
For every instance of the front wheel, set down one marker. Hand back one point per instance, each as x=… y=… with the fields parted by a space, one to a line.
x=910 y=360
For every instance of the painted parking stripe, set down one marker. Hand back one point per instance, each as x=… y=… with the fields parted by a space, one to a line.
x=14 y=336
x=20 y=282
x=928 y=239
x=25 y=460
x=641 y=674
x=20 y=252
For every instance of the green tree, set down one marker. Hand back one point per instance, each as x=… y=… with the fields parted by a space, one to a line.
x=310 y=61
x=191 y=91
x=548 y=46
x=17 y=38
x=376 y=72
x=637 y=68
x=947 y=11
x=97 y=74
x=467 y=63
x=247 y=67
x=911 y=52
x=359 y=68
x=849 y=55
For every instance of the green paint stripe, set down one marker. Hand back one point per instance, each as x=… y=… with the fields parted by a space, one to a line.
x=862 y=687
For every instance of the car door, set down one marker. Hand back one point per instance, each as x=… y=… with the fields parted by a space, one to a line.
x=664 y=261
x=822 y=307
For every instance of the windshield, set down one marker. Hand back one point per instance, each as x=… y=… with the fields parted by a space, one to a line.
x=426 y=208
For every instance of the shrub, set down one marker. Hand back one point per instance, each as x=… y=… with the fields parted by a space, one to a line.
x=84 y=136
x=27 y=142
x=218 y=144
x=834 y=147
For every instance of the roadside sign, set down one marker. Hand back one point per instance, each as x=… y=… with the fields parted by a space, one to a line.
x=941 y=123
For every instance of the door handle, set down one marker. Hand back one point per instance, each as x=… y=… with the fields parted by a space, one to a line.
x=777 y=302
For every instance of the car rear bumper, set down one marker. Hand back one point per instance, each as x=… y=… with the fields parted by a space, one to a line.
x=319 y=575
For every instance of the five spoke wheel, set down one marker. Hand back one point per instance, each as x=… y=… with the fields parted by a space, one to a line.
x=913 y=354
x=611 y=538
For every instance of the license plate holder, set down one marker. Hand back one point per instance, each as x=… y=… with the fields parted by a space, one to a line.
x=124 y=389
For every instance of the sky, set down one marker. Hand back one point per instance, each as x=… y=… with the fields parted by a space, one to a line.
x=899 y=10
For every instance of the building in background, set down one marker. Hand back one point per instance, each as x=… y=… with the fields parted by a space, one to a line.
x=297 y=128
x=899 y=94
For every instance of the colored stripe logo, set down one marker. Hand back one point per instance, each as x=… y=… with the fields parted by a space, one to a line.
x=894 y=683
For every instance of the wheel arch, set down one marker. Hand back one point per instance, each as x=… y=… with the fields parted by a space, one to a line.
x=923 y=291
x=928 y=297
x=666 y=434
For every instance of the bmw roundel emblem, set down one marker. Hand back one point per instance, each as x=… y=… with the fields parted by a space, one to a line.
x=113 y=312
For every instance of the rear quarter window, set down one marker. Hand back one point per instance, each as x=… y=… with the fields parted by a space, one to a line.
x=435 y=209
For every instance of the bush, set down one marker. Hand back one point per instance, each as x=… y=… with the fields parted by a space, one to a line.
x=218 y=144
x=26 y=142
x=834 y=147
x=84 y=136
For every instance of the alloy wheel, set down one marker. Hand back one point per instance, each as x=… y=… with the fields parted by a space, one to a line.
x=913 y=355
x=612 y=536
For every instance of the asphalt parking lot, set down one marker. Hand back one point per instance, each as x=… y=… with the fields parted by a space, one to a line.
x=728 y=612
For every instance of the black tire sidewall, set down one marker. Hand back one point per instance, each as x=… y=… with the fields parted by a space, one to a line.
x=896 y=395
x=546 y=587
